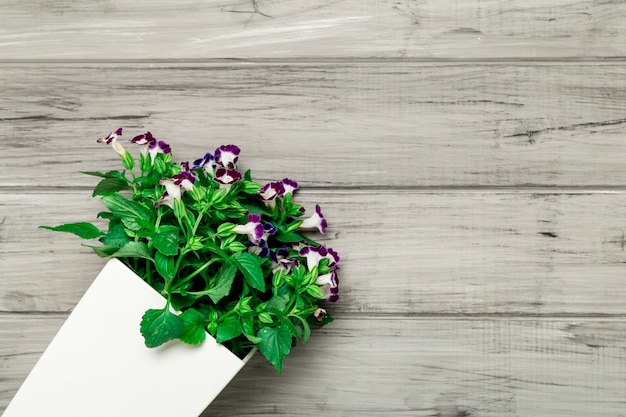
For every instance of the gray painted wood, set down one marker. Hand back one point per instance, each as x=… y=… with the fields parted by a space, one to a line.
x=373 y=366
x=431 y=29
x=469 y=156
x=380 y=124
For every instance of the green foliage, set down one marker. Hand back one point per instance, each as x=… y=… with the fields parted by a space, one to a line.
x=197 y=244
x=159 y=326
x=82 y=229
x=275 y=344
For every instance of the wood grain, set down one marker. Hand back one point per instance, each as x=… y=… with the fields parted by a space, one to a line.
x=338 y=125
x=372 y=366
x=408 y=253
x=281 y=29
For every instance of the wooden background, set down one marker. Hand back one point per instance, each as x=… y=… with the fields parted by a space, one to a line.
x=470 y=156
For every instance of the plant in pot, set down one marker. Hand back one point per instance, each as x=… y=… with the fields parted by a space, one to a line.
x=200 y=253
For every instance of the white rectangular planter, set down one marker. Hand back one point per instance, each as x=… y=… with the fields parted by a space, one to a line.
x=98 y=365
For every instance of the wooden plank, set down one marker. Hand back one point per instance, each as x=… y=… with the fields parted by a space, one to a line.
x=65 y=29
x=372 y=366
x=461 y=252
x=327 y=125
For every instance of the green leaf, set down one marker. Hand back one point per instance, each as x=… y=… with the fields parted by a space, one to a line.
x=116 y=237
x=228 y=329
x=103 y=251
x=128 y=211
x=165 y=240
x=164 y=265
x=315 y=291
x=249 y=266
x=222 y=283
x=306 y=329
x=265 y=318
x=110 y=174
x=110 y=185
x=159 y=326
x=81 y=229
x=293 y=237
x=195 y=324
x=133 y=250
x=275 y=345
x=277 y=302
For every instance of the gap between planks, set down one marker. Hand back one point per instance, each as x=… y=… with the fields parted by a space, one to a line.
x=399 y=316
x=323 y=61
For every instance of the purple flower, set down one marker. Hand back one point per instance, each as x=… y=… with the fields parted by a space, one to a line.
x=227 y=155
x=175 y=187
x=173 y=192
x=207 y=162
x=313 y=255
x=184 y=179
x=289 y=186
x=329 y=279
x=316 y=221
x=320 y=314
x=254 y=228
x=227 y=177
x=270 y=191
x=331 y=294
x=158 y=147
x=144 y=141
x=111 y=139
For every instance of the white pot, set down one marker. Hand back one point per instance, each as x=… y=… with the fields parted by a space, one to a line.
x=98 y=364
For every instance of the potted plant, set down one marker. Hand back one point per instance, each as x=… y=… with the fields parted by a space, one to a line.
x=200 y=253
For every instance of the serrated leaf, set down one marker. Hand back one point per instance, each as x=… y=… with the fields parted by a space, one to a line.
x=128 y=211
x=195 y=323
x=133 y=250
x=159 y=326
x=228 y=329
x=82 y=229
x=164 y=265
x=250 y=267
x=110 y=185
x=275 y=345
x=165 y=240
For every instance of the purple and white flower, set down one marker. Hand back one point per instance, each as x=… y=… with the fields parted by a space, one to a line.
x=158 y=147
x=331 y=294
x=254 y=228
x=289 y=186
x=111 y=139
x=227 y=156
x=175 y=187
x=313 y=255
x=283 y=261
x=316 y=221
x=226 y=177
x=270 y=191
x=207 y=163
x=144 y=141
x=329 y=279
x=320 y=314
